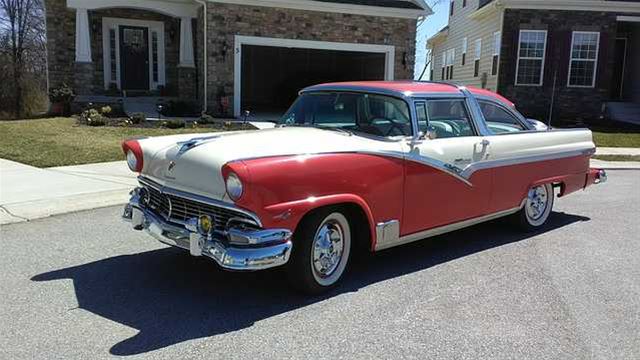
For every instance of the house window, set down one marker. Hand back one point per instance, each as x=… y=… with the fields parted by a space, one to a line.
x=444 y=65
x=154 y=52
x=464 y=51
x=531 y=52
x=478 y=54
x=451 y=9
x=464 y=3
x=112 y=56
x=496 y=53
x=451 y=55
x=584 y=59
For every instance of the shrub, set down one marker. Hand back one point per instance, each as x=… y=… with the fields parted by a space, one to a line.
x=93 y=117
x=106 y=110
x=174 y=124
x=138 y=118
x=61 y=94
x=207 y=119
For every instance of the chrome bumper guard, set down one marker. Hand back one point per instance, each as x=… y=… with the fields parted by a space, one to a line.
x=601 y=177
x=267 y=248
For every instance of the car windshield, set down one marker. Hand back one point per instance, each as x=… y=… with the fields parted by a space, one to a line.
x=372 y=114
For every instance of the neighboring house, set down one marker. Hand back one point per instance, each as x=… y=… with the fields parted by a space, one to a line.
x=587 y=50
x=259 y=53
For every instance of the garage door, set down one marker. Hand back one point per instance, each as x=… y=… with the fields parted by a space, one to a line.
x=272 y=76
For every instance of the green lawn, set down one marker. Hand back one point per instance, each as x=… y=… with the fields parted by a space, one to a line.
x=617 y=139
x=61 y=141
x=617 y=157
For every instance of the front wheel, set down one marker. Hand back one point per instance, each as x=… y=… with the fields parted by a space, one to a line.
x=537 y=208
x=321 y=251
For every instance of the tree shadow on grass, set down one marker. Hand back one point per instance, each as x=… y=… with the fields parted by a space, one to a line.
x=170 y=297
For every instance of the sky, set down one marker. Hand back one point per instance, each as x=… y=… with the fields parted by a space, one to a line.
x=427 y=29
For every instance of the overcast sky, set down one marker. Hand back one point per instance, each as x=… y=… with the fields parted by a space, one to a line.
x=427 y=29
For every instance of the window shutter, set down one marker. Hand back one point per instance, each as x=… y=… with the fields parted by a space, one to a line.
x=603 y=66
x=562 y=39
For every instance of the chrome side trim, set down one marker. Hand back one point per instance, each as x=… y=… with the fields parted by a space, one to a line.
x=387 y=232
x=488 y=164
x=205 y=200
x=445 y=229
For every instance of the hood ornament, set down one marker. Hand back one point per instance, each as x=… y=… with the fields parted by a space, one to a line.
x=172 y=165
x=190 y=144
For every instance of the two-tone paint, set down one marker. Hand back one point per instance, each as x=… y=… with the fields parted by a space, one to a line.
x=408 y=188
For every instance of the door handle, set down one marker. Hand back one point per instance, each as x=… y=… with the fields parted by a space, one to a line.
x=484 y=151
x=485 y=142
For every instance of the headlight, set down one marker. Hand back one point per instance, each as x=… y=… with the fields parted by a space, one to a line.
x=132 y=161
x=234 y=186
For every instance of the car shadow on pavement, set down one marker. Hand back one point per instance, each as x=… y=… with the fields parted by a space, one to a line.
x=170 y=297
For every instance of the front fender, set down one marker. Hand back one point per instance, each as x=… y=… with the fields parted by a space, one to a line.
x=288 y=215
x=281 y=190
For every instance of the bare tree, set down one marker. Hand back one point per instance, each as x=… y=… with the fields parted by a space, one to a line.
x=22 y=25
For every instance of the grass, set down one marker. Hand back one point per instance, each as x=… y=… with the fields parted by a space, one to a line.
x=616 y=139
x=618 y=157
x=61 y=141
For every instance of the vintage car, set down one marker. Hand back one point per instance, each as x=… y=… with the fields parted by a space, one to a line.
x=361 y=166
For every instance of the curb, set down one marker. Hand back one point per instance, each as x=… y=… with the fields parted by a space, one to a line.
x=39 y=209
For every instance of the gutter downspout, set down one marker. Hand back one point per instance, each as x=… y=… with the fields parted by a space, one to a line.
x=205 y=61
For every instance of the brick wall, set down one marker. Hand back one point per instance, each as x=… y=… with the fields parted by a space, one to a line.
x=570 y=103
x=226 y=21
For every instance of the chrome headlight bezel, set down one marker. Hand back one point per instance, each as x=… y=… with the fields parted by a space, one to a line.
x=234 y=186
x=132 y=160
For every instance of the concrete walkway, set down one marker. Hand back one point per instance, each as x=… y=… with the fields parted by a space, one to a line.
x=618 y=151
x=28 y=193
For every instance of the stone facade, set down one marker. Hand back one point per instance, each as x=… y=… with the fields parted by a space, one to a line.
x=225 y=21
x=61 y=28
x=570 y=103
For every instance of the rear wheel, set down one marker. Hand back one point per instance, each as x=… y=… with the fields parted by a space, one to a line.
x=321 y=251
x=537 y=208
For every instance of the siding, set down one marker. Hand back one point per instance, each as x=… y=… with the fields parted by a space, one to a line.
x=460 y=26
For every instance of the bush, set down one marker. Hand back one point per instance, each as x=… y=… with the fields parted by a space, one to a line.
x=106 y=110
x=207 y=120
x=62 y=94
x=93 y=117
x=174 y=124
x=138 y=118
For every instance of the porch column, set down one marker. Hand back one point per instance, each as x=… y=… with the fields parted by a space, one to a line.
x=186 y=43
x=83 y=36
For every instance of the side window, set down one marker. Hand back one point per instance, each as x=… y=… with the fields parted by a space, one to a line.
x=499 y=120
x=449 y=118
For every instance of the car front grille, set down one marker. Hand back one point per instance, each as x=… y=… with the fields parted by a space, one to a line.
x=178 y=209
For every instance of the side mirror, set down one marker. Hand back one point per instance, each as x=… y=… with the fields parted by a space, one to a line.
x=538 y=125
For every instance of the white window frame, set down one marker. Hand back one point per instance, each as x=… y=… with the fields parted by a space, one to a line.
x=478 y=49
x=497 y=42
x=595 y=61
x=544 y=57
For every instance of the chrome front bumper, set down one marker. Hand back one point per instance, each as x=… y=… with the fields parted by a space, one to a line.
x=267 y=249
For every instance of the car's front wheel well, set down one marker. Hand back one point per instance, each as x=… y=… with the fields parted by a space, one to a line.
x=361 y=229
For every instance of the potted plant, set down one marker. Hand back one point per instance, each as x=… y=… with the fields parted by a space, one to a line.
x=61 y=98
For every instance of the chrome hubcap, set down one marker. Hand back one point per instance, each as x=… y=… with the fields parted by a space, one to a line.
x=328 y=247
x=537 y=202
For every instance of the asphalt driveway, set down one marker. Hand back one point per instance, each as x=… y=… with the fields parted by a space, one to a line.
x=85 y=286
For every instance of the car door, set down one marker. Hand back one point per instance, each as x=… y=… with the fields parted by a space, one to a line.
x=522 y=156
x=437 y=190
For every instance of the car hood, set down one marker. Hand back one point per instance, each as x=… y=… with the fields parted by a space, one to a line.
x=193 y=163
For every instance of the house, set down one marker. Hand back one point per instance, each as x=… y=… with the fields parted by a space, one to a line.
x=257 y=53
x=570 y=59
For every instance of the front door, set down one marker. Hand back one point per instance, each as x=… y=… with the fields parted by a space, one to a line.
x=437 y=190
x=134 y=58
x=618 y=68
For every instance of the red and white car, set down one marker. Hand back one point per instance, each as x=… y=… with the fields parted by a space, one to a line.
x=353 y=167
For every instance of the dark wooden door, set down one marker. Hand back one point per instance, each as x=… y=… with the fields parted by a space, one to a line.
x=617 y=82
x=134 y=58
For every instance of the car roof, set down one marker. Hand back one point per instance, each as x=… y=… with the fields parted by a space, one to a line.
x=407 y=88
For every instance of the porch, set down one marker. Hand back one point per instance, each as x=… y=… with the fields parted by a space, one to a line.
x=143 y=47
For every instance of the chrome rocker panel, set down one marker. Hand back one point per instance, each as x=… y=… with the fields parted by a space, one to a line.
x=274 y=253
